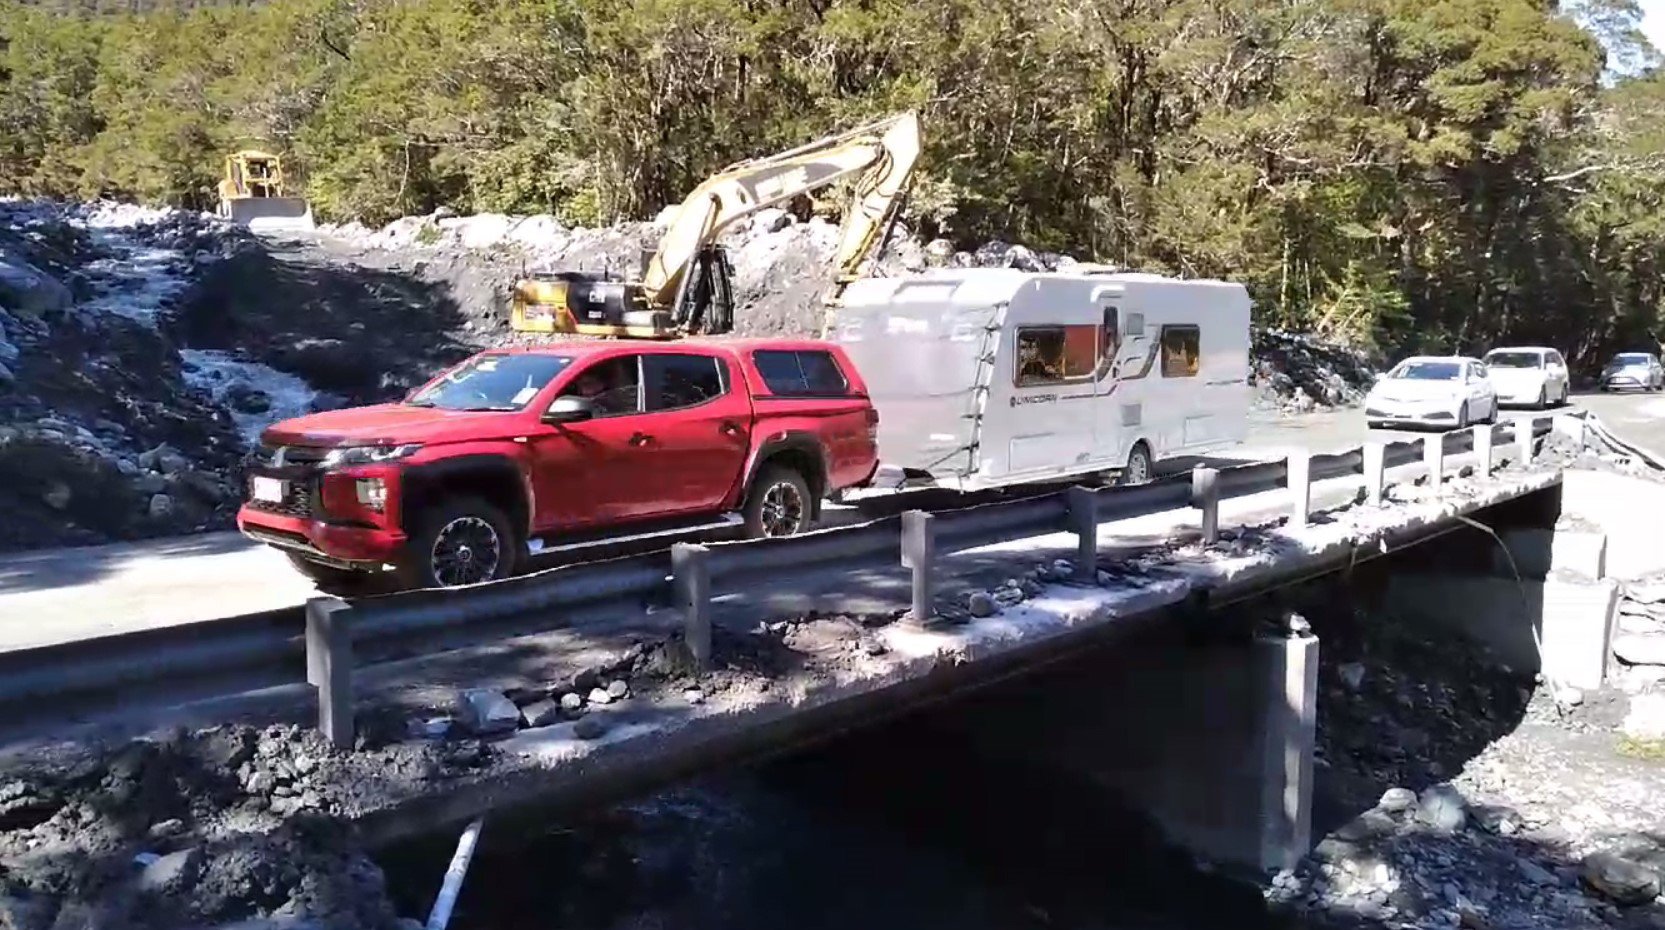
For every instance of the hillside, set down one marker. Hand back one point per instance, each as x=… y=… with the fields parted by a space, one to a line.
x=1398 y=174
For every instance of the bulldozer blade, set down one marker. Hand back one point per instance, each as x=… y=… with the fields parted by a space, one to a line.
x=269 y=213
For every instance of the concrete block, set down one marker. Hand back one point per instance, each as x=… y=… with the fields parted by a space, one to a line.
x=1575 y=619
x=1538 y=552
x=1580 y=619
x=1287 y=669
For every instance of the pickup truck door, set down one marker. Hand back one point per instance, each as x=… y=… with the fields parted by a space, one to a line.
x=596 y=471
x=698 y=427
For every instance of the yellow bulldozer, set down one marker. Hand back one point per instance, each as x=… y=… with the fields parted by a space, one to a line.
x=251 y=193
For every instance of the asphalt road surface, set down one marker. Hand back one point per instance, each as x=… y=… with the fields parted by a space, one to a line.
x=65 y=594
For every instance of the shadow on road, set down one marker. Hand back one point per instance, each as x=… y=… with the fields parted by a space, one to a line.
x=69 y=568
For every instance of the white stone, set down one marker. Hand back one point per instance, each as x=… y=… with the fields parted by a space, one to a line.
x=486 y=711
x=1640 y=648
x=1646 y=719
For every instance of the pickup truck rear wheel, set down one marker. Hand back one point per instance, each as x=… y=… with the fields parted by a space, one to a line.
x=463 y=541
x=778 y=503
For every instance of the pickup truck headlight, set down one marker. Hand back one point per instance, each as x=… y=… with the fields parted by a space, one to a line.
x=368 y=455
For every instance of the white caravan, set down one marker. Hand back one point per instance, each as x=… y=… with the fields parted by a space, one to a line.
x=988 y=377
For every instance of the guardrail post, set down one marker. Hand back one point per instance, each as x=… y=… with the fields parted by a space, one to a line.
x=691 y=589
x=1083 y=505
x=919 y=554
x=329 y=667
x=1570 y=426
x=1205 y=496
x=1375 y=472
x=1299 y=466
x=1524 y=430
x=1433 y=456
x=1483 y=450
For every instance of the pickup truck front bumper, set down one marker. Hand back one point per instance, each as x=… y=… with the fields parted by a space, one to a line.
x=297 y=521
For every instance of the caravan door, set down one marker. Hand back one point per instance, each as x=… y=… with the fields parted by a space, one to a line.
x=1122 y=394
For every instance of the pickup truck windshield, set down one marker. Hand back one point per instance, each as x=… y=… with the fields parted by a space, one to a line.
x=1515 y=360
x=492 y=382
x=1428 y=371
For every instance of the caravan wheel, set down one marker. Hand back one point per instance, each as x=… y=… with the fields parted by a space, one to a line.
x=1139 y=465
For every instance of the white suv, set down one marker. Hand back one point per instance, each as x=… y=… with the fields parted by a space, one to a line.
x=1533 y=376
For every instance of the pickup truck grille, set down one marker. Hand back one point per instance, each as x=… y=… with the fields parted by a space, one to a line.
x=297 y=501
x=290 y=455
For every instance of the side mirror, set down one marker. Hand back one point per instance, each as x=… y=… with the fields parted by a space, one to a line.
x=569 y=409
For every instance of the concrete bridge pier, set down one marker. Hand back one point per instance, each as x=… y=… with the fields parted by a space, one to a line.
x=1213 y=739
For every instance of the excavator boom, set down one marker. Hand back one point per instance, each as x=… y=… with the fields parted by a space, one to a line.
x=685 y=286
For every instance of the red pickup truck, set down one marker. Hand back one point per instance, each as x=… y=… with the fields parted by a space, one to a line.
x=515 y=452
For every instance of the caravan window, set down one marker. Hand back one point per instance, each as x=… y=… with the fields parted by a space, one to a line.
x=1055 y=354
x=1181 y=351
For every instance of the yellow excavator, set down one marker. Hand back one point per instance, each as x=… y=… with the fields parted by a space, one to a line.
x=251 y=193
x=686 y=287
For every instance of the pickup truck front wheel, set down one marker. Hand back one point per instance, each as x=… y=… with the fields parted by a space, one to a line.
x=778 y=503
x=461 y=542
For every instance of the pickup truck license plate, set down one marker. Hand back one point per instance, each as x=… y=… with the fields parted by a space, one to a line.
x=268 y=489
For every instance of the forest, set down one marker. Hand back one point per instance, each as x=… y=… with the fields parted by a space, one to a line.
x=1396 y=174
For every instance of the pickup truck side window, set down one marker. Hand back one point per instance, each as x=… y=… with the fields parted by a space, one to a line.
x=807 y=373
x=677 y=381
x=613 y=384
x=1055 y=354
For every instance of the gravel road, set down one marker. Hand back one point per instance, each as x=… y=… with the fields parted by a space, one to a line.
x=64 y=594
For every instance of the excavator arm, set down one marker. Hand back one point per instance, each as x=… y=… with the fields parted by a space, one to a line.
x=881 y=153
x=686 y=285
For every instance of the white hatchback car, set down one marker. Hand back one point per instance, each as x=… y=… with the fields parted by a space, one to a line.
x=1446 y=391
x=1528 y=375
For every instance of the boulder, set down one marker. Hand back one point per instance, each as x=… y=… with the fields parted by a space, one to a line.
x=245 y=398
x=57 y=495
x=982 y=604
x=172 y=873
x=484 y=711
x=1441 y=808
x=1397 y=800
x=1619 y=879
x=542 y=713
x=1640 y=648
x=28 y=291
x=771 y=219
x=1645 y=720
x=160 y=507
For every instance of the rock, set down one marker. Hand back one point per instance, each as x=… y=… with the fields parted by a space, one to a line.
x=1641 y=625
x=1646 y=592
x=245 y=398
x=1535 y=873
x=483 y=711
x=589 y=728
x=1442 y=808
x=694 y=696
x=57 y=495
x=939 y=253
x=771 y=219
x=172 y=873
x=1568 y=698
x=150 y=484
x=541 y=713
x=981 y=604
x=1646 y=718
x=28 y=291
x=1008 y=596
x=1063 y=569
x=572 y=702
x=1352 y=674
x=1640 y=648
x=600 y=696
x=1397 y=800
x=1620 y=880
x=618 y=690
x=161 y=506
x=431 y=728
x=167 y=829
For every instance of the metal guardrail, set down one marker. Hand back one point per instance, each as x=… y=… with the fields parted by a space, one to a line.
x=259 y=650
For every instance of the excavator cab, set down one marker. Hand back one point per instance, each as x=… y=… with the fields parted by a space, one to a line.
x=589 y=304
x=251 y=193
x=686 y=286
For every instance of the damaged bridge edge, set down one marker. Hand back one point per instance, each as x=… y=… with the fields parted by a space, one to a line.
x=647 y=747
